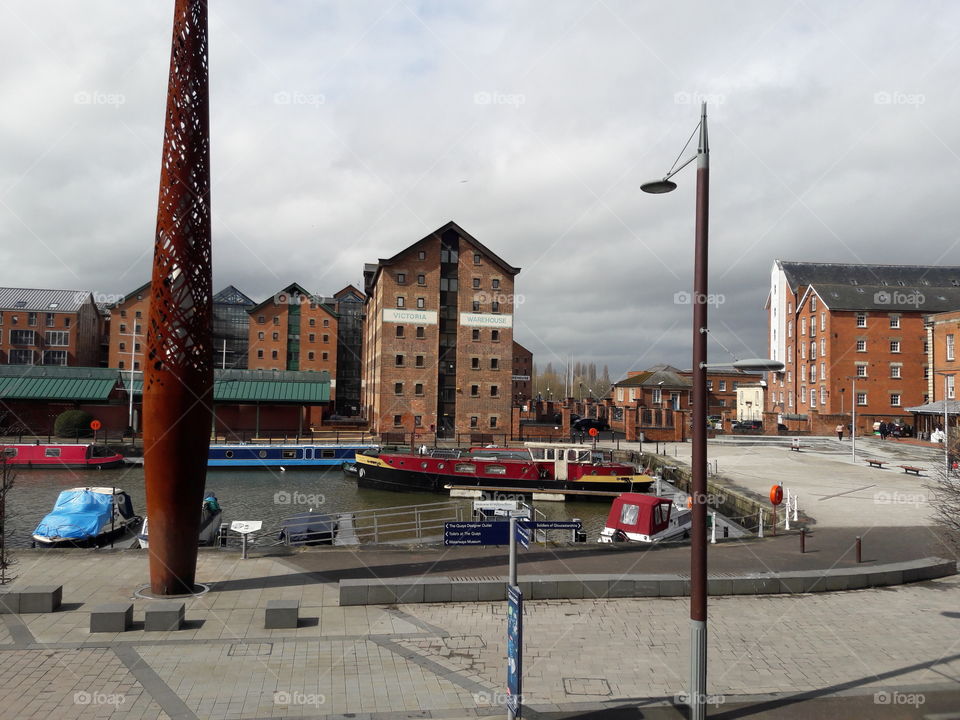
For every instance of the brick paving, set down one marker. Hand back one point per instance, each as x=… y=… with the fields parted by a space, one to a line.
x=447 y=660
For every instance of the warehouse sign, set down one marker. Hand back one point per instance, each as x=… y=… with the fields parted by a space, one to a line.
x=486 y=320
x=419 y=317
x=521 y=378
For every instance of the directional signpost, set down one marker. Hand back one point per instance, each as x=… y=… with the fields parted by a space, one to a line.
x=514 y=649
x=523 y=535
x=476 y=533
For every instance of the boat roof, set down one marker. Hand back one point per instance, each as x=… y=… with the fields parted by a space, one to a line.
x=98 y=490
x=643 y=500
x=47 y=445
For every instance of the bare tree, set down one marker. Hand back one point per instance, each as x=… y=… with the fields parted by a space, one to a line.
x=944 y=487
x=7 y=477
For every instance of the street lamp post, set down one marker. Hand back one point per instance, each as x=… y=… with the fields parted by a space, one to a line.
x=853 y=419
x=698 y=460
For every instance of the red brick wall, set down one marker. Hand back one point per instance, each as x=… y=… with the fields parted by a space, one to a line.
x=125 y=319
x=944 y=324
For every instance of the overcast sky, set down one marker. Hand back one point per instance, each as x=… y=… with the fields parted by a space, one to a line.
x=342 y=132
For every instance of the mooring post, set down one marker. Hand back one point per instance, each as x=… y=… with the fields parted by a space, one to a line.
x=859 y=551
x=803 y=541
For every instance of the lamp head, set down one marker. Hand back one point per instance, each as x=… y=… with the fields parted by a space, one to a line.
x=658 y=187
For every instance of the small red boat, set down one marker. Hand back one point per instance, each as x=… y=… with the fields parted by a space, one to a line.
x=59 y=455
x=645 y=518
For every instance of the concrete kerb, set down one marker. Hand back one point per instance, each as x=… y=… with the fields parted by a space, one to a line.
x=393 y=591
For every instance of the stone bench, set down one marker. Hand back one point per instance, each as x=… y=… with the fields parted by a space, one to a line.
x=393 y=591
x=9 y=603
x=282 y=614
x=31 y=599
x=111 y=617
x=164 y=616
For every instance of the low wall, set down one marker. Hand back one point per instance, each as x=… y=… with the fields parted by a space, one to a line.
x=393 y=591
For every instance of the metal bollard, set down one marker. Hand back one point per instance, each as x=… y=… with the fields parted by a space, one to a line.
x=859 y=551
x=803 y=541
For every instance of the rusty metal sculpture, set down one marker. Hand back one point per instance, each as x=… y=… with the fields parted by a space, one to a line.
x=178 y=373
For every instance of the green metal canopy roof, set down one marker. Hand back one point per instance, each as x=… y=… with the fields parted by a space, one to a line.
x=41 y=387
x=263 y=386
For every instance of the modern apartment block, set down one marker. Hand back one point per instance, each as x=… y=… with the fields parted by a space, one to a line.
x=438 y=337
x=349 y=307
x=293 y=330
x=48 y=327
x=836 y=325
x=231 y=328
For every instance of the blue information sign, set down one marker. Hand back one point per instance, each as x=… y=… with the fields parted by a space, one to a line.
x=523 y=536
x=514 y=648
x=476 y=533
x=553 y=524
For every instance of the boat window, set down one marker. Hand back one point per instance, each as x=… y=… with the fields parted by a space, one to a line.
x=571 y=455
x=465 y=467
x=228 y=454
x=10 y=452
x=440 y=466
x=51 y=452
x=496 y=470
x=549 y=453
x=289 y=454
x=423 y=465
x=583 y=456
x=629 y=514
x=328 y=453
x=262 y=453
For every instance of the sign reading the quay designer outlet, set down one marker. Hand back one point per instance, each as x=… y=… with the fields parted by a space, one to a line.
x=486 y=320
x=420 y=317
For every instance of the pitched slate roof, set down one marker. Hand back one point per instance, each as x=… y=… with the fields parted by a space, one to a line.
x=915 y=298
x=36 y=300
x=665 y=378
x=810 y=273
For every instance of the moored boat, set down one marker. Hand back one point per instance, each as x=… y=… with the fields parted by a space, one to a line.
x=86 y=517
x=61 y=455
x=210 y=516
x=645 y=518
x=568 y=470
x=290 y=456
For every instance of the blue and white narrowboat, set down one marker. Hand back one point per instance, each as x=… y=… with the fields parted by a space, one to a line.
x=283 y=456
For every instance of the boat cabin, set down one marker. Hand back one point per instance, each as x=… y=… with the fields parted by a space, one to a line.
x=644 y=518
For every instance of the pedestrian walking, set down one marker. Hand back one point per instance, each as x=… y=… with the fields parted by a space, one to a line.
x=839 y=430
x=884 y=430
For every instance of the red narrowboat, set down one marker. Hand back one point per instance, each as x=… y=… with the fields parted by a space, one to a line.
x=58 y=456
x=574 y=470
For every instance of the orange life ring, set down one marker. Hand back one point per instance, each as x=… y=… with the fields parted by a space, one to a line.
x=689 y=502
x=776 y=494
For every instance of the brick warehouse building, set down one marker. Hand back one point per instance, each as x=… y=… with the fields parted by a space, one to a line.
x=48 y=327
x=522 y=374
x=293 y=330
x=830 y=323
x=438 y=338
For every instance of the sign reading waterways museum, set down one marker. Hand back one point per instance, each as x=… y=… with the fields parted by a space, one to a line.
x=420 y=317
x=485 y=320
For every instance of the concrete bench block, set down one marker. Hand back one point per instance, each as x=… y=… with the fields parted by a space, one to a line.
x=409 y=592
x=883 y=578
x=544 y=589
x=594 y=588
x=622 y=588
x=437 y=590
x=645 y=588
x=719 y=586
x=40 y=598
x=164 y=616
x=674 y=587
x=382 y=592
x=9 y=603
x=353 y=592
x=281 y=614
x=491 y=590
x=571 y=589
x=111 y=617
x=465 y=592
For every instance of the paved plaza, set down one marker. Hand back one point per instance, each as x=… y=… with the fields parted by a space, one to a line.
x=447 y=660
x=875 y=653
